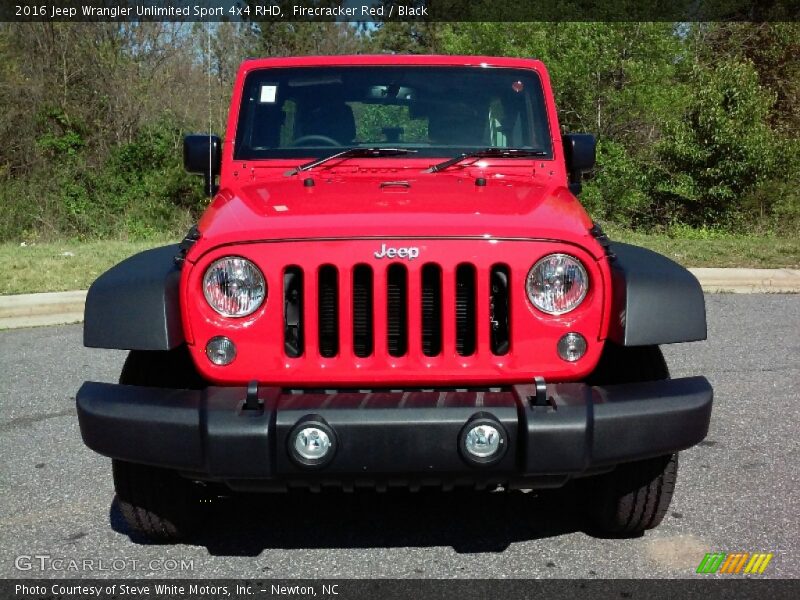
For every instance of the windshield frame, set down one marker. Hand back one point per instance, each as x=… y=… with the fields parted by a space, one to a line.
x=539 y=122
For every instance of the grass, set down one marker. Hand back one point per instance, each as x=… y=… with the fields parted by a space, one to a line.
x=72 y=265
x=61 y=266
x=703 y=248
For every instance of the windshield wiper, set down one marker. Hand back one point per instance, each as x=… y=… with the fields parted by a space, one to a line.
x=487 y=153
x=350 y=153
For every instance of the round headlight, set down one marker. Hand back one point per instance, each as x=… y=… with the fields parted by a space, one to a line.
x=557 y=284
x=234 y=287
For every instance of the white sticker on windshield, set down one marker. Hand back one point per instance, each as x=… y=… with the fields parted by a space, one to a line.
x=268 y=93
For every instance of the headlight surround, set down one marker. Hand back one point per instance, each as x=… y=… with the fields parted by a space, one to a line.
x=557 y=284
x=234 y=286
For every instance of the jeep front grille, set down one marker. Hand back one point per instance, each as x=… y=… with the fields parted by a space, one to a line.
x=431 y=310
x=465 y=310
x=328 y=288
x=363 y=330
x=292 y=311
x=354 y=308
x=397 y=310
x=500 y=310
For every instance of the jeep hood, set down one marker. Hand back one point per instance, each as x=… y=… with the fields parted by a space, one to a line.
x=431 y=205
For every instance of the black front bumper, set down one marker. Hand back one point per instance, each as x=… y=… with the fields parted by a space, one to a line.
x=394 y=438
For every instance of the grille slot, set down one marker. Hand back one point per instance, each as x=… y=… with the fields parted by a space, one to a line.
x=328 y=302
x=293 y=311
x=362 y=311
x=500 y=310
x=431 y=310
x=397 y=310
x=465 y=310
x=445 y=305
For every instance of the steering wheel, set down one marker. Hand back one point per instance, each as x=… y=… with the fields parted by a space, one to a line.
x=304 y=139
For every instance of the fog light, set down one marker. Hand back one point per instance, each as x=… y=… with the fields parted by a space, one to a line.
x=483 y=441
x=312 y=443
x=220 y=350
x=571 y=347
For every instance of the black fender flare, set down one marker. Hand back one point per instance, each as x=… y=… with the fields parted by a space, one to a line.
x=135 y=305
x=655 y=300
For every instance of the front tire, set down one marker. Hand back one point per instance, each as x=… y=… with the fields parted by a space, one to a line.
x=635 y=496
x=155 y=503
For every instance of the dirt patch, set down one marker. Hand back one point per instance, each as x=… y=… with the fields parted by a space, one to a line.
x=678 y=552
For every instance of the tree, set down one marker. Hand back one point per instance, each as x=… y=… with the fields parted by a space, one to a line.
x=307 y=37
x=615 y=80
x=773 y=50
x=721 y=151
x=406 y=37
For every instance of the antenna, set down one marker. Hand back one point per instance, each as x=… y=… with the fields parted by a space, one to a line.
x=209 y=178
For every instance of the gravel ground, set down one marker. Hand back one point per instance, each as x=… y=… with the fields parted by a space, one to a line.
x=737 y=491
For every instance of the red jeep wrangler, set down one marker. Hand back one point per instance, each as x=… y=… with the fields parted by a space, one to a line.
x=394 y=286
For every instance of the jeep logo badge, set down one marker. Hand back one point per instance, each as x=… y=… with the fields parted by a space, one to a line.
x=410 y=253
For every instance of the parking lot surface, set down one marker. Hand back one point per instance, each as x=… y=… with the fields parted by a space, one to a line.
x=737 y=491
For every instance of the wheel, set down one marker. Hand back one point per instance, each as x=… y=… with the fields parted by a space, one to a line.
x=157 y=503
x=635 y=496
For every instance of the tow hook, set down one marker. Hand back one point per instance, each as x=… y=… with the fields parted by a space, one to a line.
x=251 y=401
x=540 y=399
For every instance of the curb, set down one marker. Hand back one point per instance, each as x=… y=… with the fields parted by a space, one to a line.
x=749 y=281
x=60 y=308
x=36 y=310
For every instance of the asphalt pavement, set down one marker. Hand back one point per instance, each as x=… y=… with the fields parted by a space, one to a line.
x=737 y=491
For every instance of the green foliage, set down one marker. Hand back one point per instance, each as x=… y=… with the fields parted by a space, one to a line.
x=616 y=191
x=90 y=134
x=139 y=192
x=696 y=123
x=619 y=81
x=60 y=137
x=406 y=37
x=721 y=150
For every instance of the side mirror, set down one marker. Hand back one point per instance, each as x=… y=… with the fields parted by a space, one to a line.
x=579 y=155
x=202 y=155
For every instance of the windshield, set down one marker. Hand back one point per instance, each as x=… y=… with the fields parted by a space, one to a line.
x=313 y=111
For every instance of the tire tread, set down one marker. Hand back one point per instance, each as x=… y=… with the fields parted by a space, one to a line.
x=636 y=496
x=157 y=503
x=154 y=502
